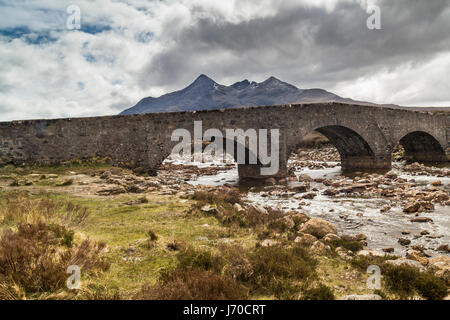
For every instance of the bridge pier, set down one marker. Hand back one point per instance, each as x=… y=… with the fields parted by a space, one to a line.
x=253 y=172
x=348 y=164
x=363 y=163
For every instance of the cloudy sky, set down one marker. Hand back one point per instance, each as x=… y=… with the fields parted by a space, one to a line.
x=127 y=50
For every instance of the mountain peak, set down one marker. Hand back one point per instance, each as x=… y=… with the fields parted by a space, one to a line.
x=203 y=82
x=206 y=94
x=272 y=80
x=203 y=78
x=241 y=84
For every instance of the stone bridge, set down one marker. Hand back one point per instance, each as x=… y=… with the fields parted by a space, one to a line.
x=365 y=136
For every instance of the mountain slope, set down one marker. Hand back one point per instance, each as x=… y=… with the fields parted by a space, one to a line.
x=205 y=94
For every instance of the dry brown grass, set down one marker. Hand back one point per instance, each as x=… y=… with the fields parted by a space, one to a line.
x=228 y=215
x=220 y=196
x=19 y=208
x=36 y=256
x=192 y=284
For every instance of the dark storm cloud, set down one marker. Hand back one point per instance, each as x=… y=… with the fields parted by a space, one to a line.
x=130 y=49
x=305 y=45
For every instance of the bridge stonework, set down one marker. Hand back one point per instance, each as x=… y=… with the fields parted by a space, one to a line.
x=365 y=136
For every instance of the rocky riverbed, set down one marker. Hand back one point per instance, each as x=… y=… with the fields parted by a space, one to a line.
x=405 y=211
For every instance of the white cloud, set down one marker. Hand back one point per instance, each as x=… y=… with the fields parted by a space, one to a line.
x=410 y=84
x=132 y=49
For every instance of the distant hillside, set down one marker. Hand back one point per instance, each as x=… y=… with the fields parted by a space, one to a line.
x=206 y=94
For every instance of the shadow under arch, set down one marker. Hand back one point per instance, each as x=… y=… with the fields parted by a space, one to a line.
x=355 y=151
x=422 y=147
x=236 y=149
x=248 y=162
x=249 y=168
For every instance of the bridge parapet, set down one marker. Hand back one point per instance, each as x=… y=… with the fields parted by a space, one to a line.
x=364 y=135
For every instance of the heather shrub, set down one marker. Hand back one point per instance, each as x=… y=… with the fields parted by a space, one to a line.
x=36 y=256
x=152 y=236
x=405 y=281
x=191 y=258
x=431 y=287
x=363 y=262
x=227 y=214
x=351 y=245
x=17 y=208
x=192 y=284
x=224 y=195
x=94 y=291
x=236 y=262
x=320 y=292
x=277 y=270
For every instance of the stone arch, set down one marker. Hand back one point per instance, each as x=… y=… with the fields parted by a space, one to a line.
x=423 y=147
x=347 y=141
x=355 y=152
x=245 y=169
x=236 y=146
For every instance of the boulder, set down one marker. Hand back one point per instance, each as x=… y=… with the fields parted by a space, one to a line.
x=370 y=252
x=298 y=217
x=357 y=187
x=344 y=253
x=362 y=297
x=411 y=207
x=309 y=195
x=319 y=248
x=111 y=190
x=441 y=196
x=421 y=219
x=443 y=248
x=318 y=227
x=259 y=209
x=209 y=209
x=440 y=266
x=417 y=256
x=404 y=242
x=361 y=237
x=330 y=192
x=304 y=177
x=299 y=187
x=331 y=237
x=268 y=243
x=347 y=237
x=305 y=239
x=238 y=207
x=406 y=262
x=391 y=175
x=289 y=221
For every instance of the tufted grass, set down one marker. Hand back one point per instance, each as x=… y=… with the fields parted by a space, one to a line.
x=154 y=241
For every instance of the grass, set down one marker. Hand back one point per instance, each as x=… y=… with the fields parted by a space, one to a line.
x=185 y=284
x=162 y=220
x=36 y=256
x=321 y=292
x=82 y=166
x=161 y=246
x=406 y=281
